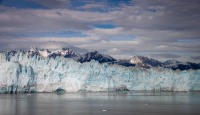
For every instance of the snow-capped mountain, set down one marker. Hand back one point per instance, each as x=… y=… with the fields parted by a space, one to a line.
x=101 y=58
x=171 y=63
x=174 y=65
x=65 y=52
x=145 y=62
x=139 y=61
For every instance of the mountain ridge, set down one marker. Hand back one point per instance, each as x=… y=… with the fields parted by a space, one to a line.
x=140 y=61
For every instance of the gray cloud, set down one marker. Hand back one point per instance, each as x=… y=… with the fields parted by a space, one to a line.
x=93 y=6
x=27 y=44
x=164 y=15
x=41 y=20
x=165 y=55
x=195 y=57
x=164 y=26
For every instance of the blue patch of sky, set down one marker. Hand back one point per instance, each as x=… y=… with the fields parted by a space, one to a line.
x=122 y=38
x=119 y=2
x=73 y=4
x=53 y=34
x=20 y=4
x=76 y=3
x=105 y=26
x=109 y=4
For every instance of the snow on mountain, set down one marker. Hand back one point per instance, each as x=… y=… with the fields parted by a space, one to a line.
x=140 y=61
x=44 y=52
x=145 y=62
x=70 y=53
x=33 y=51
x=24 y=73
x=101 y=58
x=123 y=62
x=173 y=64
x=65 y=52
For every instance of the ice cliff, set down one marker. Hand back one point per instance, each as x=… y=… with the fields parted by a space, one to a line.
x=24 y=73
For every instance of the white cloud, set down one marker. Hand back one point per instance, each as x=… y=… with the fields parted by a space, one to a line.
x=104 y=33
x=163 y=26
x=92 y=6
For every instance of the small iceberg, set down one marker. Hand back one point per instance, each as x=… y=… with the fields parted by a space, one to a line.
x=60 y=91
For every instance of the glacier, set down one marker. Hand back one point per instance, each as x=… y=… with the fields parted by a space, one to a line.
x=24 y=73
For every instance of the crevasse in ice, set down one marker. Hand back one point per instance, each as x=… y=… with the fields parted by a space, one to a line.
x=24 y=73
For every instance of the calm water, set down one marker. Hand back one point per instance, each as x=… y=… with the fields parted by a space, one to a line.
x=130 y=103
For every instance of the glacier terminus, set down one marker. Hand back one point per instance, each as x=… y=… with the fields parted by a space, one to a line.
x=21 y=72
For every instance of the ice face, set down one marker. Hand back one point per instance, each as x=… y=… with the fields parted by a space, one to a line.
x=24 y=73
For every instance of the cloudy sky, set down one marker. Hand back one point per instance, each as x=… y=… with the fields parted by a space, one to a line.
x=161 y=29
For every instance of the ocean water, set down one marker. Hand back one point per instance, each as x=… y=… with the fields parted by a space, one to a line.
x=101 y=103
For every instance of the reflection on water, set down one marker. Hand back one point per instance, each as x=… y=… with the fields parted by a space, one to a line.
x=103 y=103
